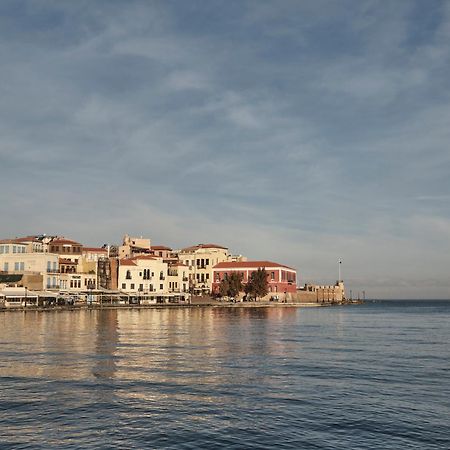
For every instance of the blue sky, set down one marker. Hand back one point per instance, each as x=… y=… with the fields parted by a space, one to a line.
x=301 y=132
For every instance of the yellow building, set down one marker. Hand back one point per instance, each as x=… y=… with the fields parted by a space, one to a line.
x=200 y=259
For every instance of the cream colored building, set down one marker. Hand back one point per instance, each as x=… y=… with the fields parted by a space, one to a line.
x=15 y=261
x=133 y=246
x=178 y=278
x=200 y=259
x=143 y=275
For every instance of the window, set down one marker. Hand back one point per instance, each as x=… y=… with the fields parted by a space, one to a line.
x=124 y=286
x=2 y=248
x=14 y=249
x=132 y=286
x=141 y=287
x=6 y=266
x=22 y=266
x=207 y=262
x=161 y=286
x=272 y=275
x=128 y=277
x=16 y=266
x=207 y=276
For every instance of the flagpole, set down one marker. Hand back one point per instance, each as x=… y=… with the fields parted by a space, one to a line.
x=339 y=264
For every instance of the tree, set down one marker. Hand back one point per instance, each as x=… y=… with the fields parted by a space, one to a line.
x=257 y=285
x=231 y=285
x=234 y=284
x=224 y=286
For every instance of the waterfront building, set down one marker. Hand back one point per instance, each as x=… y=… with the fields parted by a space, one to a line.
x=324 y=293
x=143 y=274
x=281 y=279
x=200 y=260
x=178 y=277
x=65 y=248
x=22 y=267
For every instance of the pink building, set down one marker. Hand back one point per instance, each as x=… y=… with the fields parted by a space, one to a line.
x=281 y=279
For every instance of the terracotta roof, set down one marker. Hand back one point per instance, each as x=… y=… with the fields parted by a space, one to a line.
x=12 y=241
x=160 y=247
x=64 y=241
x=197 y=247
x=249 y=265
x=127 y=262
x=143 y=257
x=178 y=263
x=94 y=250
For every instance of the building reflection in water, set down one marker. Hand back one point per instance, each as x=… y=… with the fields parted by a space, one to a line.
x=183 y=353
x=107 y=340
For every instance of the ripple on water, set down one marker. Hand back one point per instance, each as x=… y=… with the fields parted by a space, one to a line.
x=359 y=377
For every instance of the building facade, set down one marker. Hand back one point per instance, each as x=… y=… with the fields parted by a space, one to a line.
x=15 y=260
x=200 y=260
x=281 y=279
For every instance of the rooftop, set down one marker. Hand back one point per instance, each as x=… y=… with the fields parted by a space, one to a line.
x=250 y=265
x=199 y=246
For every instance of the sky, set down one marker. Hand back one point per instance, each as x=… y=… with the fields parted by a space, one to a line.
x=300 y=132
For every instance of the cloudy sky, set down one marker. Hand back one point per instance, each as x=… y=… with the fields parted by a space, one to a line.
x=296 y=131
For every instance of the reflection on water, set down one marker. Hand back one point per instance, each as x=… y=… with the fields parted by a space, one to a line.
x=107 y=340
x=224 y=377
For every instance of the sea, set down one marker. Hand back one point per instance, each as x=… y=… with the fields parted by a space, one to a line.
x=370 y=376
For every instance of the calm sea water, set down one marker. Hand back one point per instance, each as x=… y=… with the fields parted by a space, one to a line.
x=373 y=376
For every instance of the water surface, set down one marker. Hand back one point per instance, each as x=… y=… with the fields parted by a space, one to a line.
x=369 y=376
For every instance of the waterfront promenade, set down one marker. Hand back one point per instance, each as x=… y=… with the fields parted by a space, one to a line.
x=195 y=302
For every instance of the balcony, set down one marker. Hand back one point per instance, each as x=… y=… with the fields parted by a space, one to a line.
x=162 y=278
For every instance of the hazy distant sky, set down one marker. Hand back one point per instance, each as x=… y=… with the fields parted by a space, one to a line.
x=296 y=131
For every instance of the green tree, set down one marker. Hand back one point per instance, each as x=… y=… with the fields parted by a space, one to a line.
x=224 y=286
x=234 y=284
x=231 y=285
x=257 y=285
